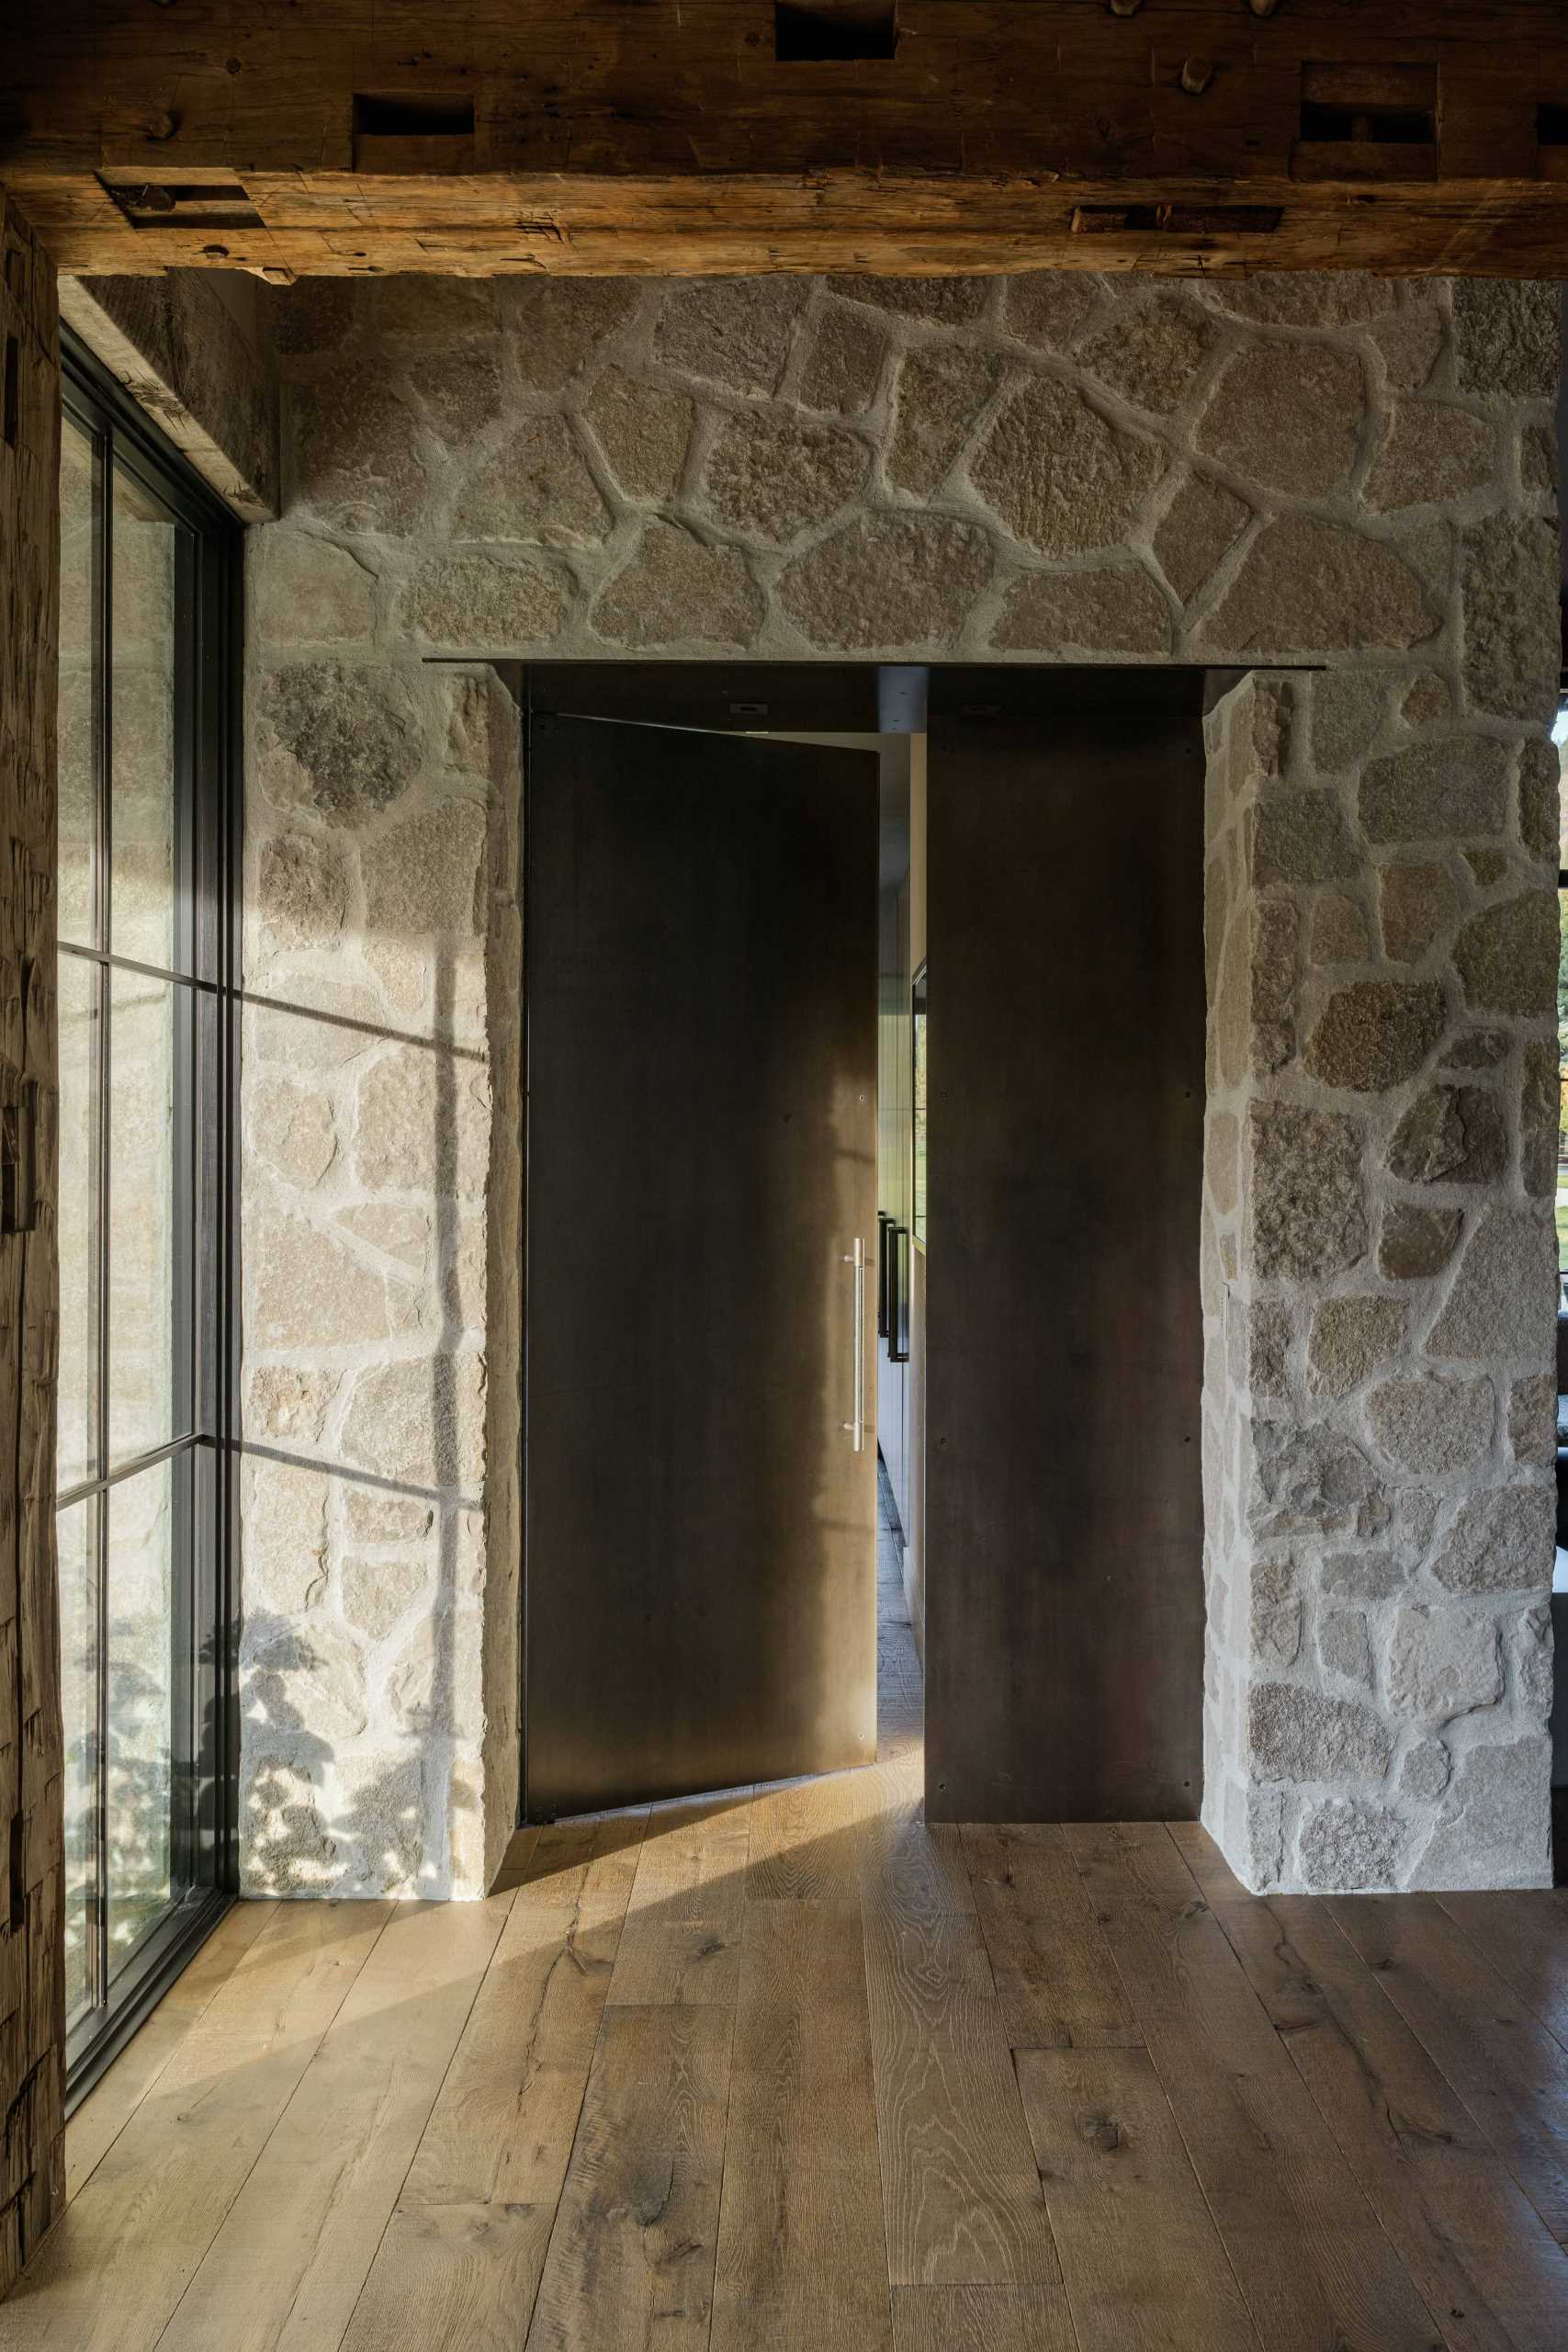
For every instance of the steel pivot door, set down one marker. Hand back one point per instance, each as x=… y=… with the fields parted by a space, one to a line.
x=1064 y=1330
x=700 y=1570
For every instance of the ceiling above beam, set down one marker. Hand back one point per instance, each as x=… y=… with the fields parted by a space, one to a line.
x=726 y=135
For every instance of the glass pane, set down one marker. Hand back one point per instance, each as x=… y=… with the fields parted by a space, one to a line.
x=144 y=618
x=80 y=1046
x=79 y=1697
x=139 y=1662
x=81 y=678
x=148 y=1213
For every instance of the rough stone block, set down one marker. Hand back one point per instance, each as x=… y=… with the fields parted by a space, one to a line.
x=1431 y=454
x=1287 y=415
x=643 y=430
x=1308 y=1194
x=675 y=590
x=1451 y=1134
x=939 y=395
x=1295 y=1734
x=1302 y=836
x=1503 y=1301
x=1452 y=790
x=1346 y=1847
x=1348 y=1339
x=1309 y=586
x=536 y=489
x=1506 y=955
x=1375 y=1033
x=1060 y=476
x=1085 y=612
x=1430 y=1427
x=1202 y=524
x=1501 y=1541
x=1152 y=351
x=343 y=742
x=554 y=326
x=732 y=330
x=1416 y=904
x=893 y=580
x=1416 y=1242
x=1495 y=1829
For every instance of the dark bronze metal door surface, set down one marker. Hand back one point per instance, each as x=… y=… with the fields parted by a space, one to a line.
x=1063 y=1520
x=701 y=954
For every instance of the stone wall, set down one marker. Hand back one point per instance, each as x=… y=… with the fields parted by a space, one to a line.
x=1338 y=470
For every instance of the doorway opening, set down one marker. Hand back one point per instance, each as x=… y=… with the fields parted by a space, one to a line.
x=795 y=1503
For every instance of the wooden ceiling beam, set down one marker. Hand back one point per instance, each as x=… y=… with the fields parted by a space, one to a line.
x=692 y=135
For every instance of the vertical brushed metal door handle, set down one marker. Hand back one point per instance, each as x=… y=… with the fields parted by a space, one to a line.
x=856 y=1428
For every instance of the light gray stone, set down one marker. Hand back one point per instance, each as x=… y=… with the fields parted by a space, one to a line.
x=732 y=330
x=1309 y=1209
x=343 y=742
x=1295 y=1734
x=1151 y=352
x=472 y=602
x=307 y=1678
x=675 y=589
x=1338 y=933
x=425 y=878
x=1532 y=1418
x=419 y=1421
x=1050 y=307
x=845 y=361
x=1344 y=1646
x=285 y=1519
x=1316 y=299
x=1287 y=415
x=1348 y=1849
x=1269 y=1335
x=1496 y=1823
x=376 y=1518
x=1085 y=612
x=377 y=1593
x=1306 y=1480
x=304 y=591
x=292 y=1131
x=1060 y=476
x=301 y=896
x=1539 y=1115
x=1348 y=1339
x=1506 y=955
x=1513 y=650
x=1451 y=1134
x=945 y=300
x=1541 y=799
x=305 y=1291
x=1504 y=1297
x=1416 y=1242
x=1366 y=1576
x=290 y=1401
x=421 y=1126
x=1424 y=1774
x=1416 y=905
x=1441 y=791
x=1429 y=455
x=1276 y=1623
x=1302 y=836
x=1533 y=1662
x=939 y=395
x=1501 y=1541
x=1348 y=707
x=1375 y=1033
x=643 y=430
x=894 y=581
x=459 y=390
x=554 y=326
x=770 y=477
x=1508 y=338
x=1308 y=586
x=356 y=465
x=537 y=488
x=1430 y=1427
x=1202 y=525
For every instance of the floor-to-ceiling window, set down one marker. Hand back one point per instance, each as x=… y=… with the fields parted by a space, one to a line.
x=147 y=649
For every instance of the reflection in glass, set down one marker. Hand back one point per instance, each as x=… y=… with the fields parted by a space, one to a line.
x=146 y=1291
x=80 y=558
x=143 y=592
x=80 y=1044
x=79 y=1703
x=139 y=1661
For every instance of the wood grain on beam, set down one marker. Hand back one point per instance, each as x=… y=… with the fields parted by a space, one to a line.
x=672 y=136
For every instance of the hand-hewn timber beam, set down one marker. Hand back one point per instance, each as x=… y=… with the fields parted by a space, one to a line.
x=695 y=135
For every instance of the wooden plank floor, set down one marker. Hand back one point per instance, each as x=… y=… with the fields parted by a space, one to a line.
x=783 y=2070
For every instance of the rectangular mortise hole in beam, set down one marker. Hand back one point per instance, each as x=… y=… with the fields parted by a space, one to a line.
x=1371 y=105
x=415 y=115
x=819 y=31
x=1552 y=123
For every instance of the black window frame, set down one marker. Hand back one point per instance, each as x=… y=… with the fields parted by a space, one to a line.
x=209 y=625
